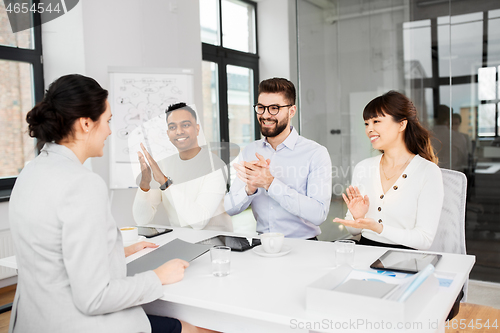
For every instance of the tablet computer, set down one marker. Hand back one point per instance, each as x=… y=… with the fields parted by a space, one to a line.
x=406 y=262
x=152 y=231
x=234 y=242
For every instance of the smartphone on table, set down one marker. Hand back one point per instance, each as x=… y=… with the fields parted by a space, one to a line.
x=149 y=232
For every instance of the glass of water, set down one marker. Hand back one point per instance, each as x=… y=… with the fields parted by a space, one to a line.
x=344 y=252
x=221 y=260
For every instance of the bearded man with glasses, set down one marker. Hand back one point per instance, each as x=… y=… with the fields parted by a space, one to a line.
x=285 y=177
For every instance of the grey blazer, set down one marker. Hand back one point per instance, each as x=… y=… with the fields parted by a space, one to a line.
x=71 y=262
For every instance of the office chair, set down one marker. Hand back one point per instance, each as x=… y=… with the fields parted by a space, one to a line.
x=450 y=235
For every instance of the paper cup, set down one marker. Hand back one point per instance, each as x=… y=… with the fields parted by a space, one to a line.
x=129 y=234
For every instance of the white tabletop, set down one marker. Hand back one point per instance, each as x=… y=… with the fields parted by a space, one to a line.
x=268 y=294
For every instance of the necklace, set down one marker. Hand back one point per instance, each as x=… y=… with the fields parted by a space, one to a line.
x=401 y=168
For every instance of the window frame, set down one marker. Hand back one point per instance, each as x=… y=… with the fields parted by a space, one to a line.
x=223 y=56
x=437 y=81
x=35 y=58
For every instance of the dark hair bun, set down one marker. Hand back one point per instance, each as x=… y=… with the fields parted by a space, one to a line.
x=44 y=123
x=68 y=98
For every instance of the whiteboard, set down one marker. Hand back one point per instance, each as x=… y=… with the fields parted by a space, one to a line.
x=138 y=98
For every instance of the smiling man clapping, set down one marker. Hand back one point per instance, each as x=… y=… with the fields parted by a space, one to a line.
x=285 y=177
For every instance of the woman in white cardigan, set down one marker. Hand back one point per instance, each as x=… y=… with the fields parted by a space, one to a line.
x=395 y=199
x=71 y=260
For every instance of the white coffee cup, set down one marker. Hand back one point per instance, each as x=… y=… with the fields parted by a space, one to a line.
x=129 y=234
x=272 y=242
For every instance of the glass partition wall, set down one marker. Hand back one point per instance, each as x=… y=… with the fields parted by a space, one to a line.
x=444 y=55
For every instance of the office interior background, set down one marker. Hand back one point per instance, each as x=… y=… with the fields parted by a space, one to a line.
x=339 y=53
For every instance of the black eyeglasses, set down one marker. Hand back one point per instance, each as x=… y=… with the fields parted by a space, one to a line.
x=272 y=109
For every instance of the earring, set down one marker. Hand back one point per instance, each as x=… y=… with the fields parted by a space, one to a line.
x=86 y=130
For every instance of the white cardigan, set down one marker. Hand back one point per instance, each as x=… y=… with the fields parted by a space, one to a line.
x=410 y=210
x=70 y=257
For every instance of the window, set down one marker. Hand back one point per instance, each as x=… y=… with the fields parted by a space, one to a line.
x=230 y=71
x=487 y=92
x=21 y=86
x=464 y=65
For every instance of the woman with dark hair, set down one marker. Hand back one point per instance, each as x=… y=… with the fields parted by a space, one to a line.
x=70 y=256
x=395 y=199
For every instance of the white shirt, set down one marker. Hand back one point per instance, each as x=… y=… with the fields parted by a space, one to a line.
x=194 y=200
x=409 y=210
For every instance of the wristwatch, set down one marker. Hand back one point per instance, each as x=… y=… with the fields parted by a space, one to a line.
x=165 y=185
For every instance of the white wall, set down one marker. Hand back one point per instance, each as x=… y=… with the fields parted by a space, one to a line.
x=63 y=45
x=274 y=39
x=312 y=60
x=276 y=33
x=97 y=34
x=140 y=34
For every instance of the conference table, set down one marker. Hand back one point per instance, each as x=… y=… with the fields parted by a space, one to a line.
x=263 y=294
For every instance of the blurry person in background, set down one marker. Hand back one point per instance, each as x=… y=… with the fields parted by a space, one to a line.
x=455 y=125
x=441 y=142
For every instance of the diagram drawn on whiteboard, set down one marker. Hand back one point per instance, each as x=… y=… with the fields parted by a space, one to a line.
x=139 y=98
x=140 y=103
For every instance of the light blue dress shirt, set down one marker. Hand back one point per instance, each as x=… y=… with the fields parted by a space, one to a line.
x=298 y=200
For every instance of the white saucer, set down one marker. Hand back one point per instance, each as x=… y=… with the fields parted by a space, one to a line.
x=260 y=251
x=139 y=239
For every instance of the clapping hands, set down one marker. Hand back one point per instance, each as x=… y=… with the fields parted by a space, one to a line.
x=147 y=168
x=254 y=174
x=356 y=203
x=358 y=206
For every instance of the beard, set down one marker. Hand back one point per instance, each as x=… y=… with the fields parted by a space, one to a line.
x=271 y=132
